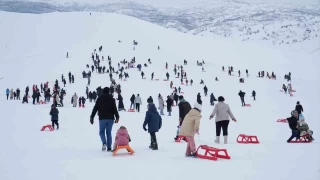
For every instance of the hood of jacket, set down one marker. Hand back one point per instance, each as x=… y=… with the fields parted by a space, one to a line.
x=152 y=107
x=122 y=132
x=195 y=113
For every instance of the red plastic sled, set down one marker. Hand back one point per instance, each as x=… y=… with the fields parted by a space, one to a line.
x=281 y=90
x=303 y=139
x=156 y=79
x=247 y=105
x=247 y=139
x=212 y=153
x=182 y=83
x=177 y=77
x=47 y=126
x=81 y=106
x=293 y=90
x=181 y=92
x=282 y=120
x=181 y=138
x=131 y=110
x=291 y=95
x=165 y=80
x=232 y=74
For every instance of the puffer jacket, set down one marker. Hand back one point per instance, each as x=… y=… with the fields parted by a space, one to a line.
x=122 y=137
x=191 y=123
x=137 y=100
x=222 y=112
x=152 y=119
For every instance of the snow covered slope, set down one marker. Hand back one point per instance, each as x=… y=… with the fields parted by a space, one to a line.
x=33 y=50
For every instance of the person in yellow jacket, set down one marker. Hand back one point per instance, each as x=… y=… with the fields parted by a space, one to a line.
x=190 y=126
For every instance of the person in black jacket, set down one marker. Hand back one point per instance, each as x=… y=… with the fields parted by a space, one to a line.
x=299 y=108
x=212 y=99
x=241 y=94
x=169 y=105
x=199 y=101
x=54 y=113
x=132 y=101
x=293 y=122
x=254 y=95
x=184 y=108
x=107 y=111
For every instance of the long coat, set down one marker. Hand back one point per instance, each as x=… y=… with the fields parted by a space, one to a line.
x=191 y=123
x=75 y=100
x=169 y=104
x=161 y=103
x=120 y=104
x=152 y=119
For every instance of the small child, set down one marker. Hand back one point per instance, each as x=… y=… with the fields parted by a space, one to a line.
x=122 y=138
x=304 y=128
x=54 y=113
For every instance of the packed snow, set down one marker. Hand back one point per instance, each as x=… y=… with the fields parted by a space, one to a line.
x=33 y=50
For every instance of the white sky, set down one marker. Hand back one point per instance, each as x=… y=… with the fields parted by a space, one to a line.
x=166 y=3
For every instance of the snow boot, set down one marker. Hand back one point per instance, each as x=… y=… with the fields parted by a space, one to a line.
x=217 y=140
x=193 y=154
x=225 y=139
x=109 y=149
x=104 y=147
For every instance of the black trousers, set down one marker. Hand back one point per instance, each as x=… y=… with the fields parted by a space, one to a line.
x=138 y=107
x=153 y=137
x=7 y=96
x=224 y=125
x=55 y=122
x=242 y=101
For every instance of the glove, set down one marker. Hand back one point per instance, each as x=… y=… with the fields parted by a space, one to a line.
x=116 y=121
x=91 y=121
x=145 y=129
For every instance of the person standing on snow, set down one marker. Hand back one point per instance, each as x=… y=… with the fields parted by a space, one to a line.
x=132 y=105
x=199 y=101
x=54 y=113
x=212 y=99
x=138 y=102
x=161 y=104
x=108 y=115
x=190 y=127
x=254 y=95
x=205 y=89
x=242 y=94
x=222 y=112
x=184 y=108
x=75 y=100
x=7 y=93
x=154 y=122
x=299 y=108
x=120 y=103
x=169 y=105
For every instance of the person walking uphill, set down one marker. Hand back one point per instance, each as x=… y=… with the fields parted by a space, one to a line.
x=184 y=108
x=154 y=122
x=107 y=111
x=7 y=93
x=190 y=126
x=241 y=94
x=222 y=112
x=54 y=113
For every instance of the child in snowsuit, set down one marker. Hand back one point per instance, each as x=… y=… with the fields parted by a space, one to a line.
x=304 y=128
x=122 y=138
x=190 y=126
x=154 y=122
x=54 y=113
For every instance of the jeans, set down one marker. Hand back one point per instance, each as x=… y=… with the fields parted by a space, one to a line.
x=105 y=128
x=161 y=112
x=294 y=134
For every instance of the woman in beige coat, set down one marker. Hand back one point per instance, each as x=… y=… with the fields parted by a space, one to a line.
x=222 y=112
x=189 y=127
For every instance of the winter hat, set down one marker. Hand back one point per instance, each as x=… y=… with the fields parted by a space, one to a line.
x=198 y=106
x=53 y=105
x=106 y=90
x=180 y=97
x=221 y=99
x=298 y=102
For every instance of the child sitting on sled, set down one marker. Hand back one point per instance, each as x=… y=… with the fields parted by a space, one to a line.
x=122 y=138
x=304 y=128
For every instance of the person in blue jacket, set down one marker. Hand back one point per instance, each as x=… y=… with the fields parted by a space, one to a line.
x=7 y=93
x=154 y=122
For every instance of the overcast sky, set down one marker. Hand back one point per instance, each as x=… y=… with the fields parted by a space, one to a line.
x=165 y=3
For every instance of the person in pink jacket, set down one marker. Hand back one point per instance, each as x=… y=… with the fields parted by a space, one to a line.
x=122 y=138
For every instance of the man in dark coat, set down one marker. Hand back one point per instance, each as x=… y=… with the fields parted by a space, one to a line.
x=254 y=95
x=54 y=113
x=108 y=114
x=169 y=105
x=293 y=122
x=241 y=94
x=154 y=122
x=299 y=108
x=212 y=99
x=199 y=101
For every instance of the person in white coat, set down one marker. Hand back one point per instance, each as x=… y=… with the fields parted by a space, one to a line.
x=11 y=94
x=161 y=104
x=58 y=100
x=138 y=102
x=75 y=100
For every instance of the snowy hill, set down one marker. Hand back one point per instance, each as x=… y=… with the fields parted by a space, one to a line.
x=271 y=22
x=33 y=51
